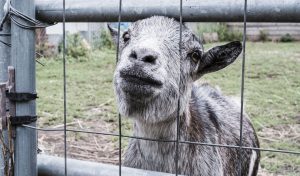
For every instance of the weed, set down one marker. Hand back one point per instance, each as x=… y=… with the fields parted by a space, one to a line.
x=104 y=41
x=224 y=34
x=263 y=36
x=75 y=47
x=43 y=47
x=286 y=38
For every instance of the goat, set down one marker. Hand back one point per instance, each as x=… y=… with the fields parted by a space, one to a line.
x=152 y=77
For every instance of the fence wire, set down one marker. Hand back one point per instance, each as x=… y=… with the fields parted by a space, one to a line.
x=160 y=140
x=177 y=141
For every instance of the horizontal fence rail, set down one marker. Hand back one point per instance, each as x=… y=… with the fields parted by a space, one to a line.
x=51 y=165
x=193 y=10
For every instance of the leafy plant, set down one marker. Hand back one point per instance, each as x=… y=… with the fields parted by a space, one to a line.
x=104 y=41
x=75 y=47
x=263 y=36
x=286 y=38
x=228 y=35
x=224 y=33
x=42 y=46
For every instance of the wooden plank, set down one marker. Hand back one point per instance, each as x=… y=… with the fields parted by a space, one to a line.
x=3 y=132
x=3 y=105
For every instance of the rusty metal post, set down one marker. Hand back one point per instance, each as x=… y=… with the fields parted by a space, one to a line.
x=4 y=62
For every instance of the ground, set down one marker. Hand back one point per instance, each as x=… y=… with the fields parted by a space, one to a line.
x=272 y=96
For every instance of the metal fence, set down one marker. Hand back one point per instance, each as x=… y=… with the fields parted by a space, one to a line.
x=22 y=35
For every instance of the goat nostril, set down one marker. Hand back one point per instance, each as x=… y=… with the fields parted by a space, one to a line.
x=133 y=55
x=143 y=55
x=149 y=59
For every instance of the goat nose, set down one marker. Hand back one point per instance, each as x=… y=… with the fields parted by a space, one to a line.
x=144 y=55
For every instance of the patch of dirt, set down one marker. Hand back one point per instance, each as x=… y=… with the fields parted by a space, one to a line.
x=90 y=147
x=279 y=133
x=263 y=172
x=289 y=134
x=104 y=149
x=262 y=75
x=297 y=118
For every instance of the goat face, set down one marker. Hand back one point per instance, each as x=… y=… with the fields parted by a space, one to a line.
x=151 y=72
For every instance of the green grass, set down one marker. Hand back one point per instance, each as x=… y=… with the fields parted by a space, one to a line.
x=272 y=94
x=89 y=84
x=272 y=84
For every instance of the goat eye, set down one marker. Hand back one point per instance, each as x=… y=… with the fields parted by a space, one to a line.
x=126 y=36
x=196 y=55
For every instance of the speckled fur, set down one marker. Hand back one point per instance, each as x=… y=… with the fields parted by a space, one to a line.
x=206 y=115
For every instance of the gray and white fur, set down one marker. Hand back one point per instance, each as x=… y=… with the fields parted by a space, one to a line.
x=151 y=76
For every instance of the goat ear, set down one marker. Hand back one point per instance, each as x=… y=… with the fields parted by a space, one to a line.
x=219 y=57
x=113 y=33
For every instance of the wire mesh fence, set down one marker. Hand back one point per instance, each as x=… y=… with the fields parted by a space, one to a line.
x=241 y=148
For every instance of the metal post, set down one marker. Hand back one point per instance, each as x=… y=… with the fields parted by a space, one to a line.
x=23 y=60
x=193 y=10
x=4 y=62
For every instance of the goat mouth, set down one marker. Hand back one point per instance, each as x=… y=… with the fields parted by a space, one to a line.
x=139 y=85
x=141 y=80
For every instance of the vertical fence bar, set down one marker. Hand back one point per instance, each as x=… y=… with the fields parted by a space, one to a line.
x=4 y=62
x=65 y=87
x=119 y=115
x=242 y=90
x=23 y=60
x=178 y=105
